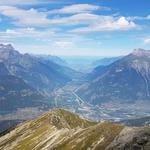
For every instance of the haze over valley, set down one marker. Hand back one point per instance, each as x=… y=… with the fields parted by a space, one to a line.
x=31 y=85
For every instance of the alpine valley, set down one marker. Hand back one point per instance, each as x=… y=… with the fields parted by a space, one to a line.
x=48 y=103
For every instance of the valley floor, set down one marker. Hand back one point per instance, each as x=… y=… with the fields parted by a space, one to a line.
x=67 y=98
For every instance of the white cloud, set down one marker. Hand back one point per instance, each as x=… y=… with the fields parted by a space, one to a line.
x=107 y=23
x=63 y=44
x=78 y=8
x=33 y=17
x=92 y=22
x=139 y=17
x=147 y=41
x=25 y=17
x=11 y=35
x=148 y=17
x=25 y=2
x=83 y=18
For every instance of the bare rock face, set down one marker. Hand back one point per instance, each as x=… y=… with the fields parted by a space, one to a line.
x=132 y=139
x=141 y=52
x=8 y=52
x=6 y=47
x=3 y=70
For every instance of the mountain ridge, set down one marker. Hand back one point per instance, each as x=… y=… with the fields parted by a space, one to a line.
x=59 y=129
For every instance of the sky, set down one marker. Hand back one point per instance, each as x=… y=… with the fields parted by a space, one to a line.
x=75 y=27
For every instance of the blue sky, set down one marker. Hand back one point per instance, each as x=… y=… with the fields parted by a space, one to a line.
x=75 y=27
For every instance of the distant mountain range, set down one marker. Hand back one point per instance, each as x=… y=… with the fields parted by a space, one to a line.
x=59 y=129
x=105 y=61
x=28 y=81
x=35 y=72
x=85 y=64
x=125 y=80
x=54 y=59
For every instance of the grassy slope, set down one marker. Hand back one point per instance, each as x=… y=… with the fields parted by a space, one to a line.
x=96 y=137
x=60 y=130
